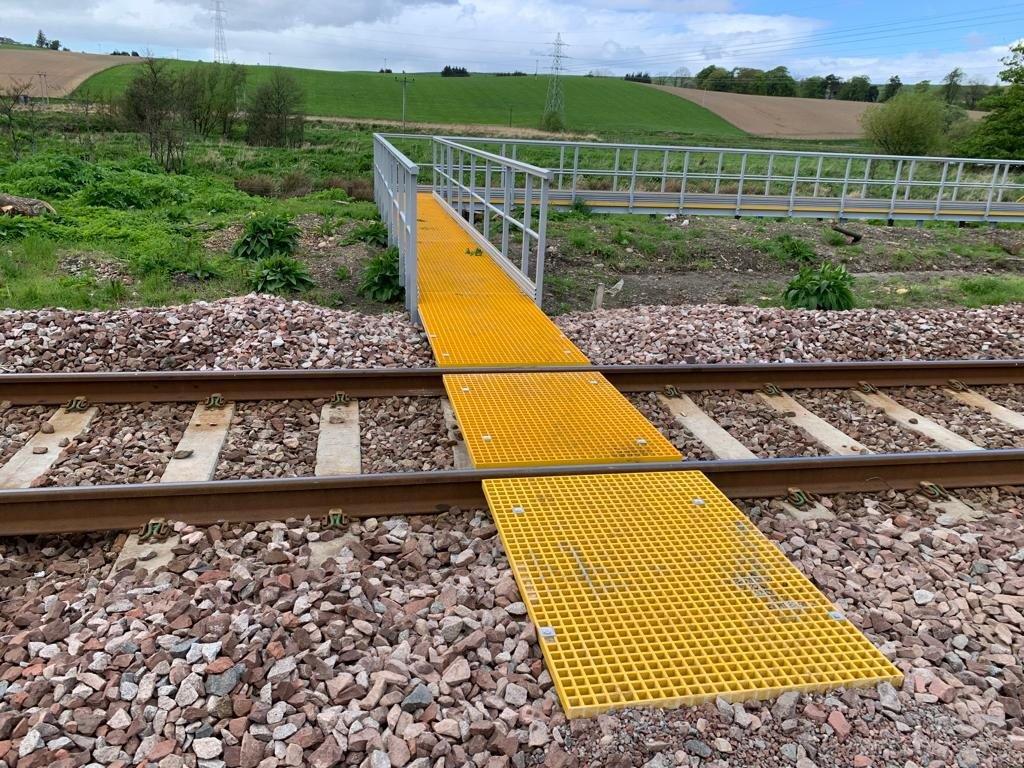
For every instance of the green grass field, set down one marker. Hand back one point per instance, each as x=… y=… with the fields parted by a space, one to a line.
x=591 y=103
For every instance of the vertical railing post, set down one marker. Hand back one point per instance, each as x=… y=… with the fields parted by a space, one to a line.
x=959 y=178
x=472 y=189
x=739 y=183
x=867 y=177
x=561 y=165
x=768 y=175
x=632 y=178
x=895 y=189
x=487 y=197
x=718 y=172
x=412 y=274
x=524 y=264
x=575 y=170
x=817 y=175
x=682 y=181
x=664 y=171
x=846 y=185
x=796 y=179
x=542 y=228
x=508 y=180
x=942 y=188
x=992 y=190
x=615 y=172
x=910 y=179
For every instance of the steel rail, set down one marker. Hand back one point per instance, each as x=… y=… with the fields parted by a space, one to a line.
x=20 y=389
x=91 y=508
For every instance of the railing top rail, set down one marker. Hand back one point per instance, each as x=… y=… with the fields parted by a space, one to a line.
x=506 y=161
x=683 y=148
x=409 y=165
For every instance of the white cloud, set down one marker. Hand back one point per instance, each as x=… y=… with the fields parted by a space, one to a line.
x=421 y=35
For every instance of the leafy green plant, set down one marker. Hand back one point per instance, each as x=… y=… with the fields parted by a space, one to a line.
x=788 y=248
x=371 y=233
x=343 y=273
x=266 y=235
x=828 y=286
x=115 y=290
x=280 y=274
x=380 y=278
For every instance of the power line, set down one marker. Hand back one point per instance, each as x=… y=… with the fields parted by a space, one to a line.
x=220 y=43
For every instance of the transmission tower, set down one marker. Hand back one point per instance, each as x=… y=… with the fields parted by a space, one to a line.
x=554 y=108
x=220 y=43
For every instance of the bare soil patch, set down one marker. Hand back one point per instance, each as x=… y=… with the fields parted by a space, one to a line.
x=65 y=70
x=782 y=116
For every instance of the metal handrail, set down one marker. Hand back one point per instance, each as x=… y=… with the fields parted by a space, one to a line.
x=395 y=186
x=491 y=177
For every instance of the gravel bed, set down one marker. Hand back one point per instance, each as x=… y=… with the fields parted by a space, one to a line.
x=265 y=332
x=862 y=422
x=760 y=428
x=412 y=646
x=972 y=423
x=271 y=438
x=129 y=443
x=240 y=333
x=17 y=425
x=720 y=334
x=404 y=434
x=656 y=413
x=1007 y=395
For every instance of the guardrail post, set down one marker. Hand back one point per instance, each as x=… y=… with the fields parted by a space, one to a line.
x=796 y=180
x=542 y=228
x=664 y=170
x=682 y=181
x=575 y=170
x=895 y=189
x=739 y=183
x=991 y=190
x=632 y=179
x=527 y=194
x=508 y=182
x=412 y=293
x=942 y=187
x=846 y=184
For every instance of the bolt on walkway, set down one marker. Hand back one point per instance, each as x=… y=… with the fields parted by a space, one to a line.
x=646 y=589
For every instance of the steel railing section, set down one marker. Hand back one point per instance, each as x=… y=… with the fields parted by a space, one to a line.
x=395 y=185
x=503 y=202
x=641 y=178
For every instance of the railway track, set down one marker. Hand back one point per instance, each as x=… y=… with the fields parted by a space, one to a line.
x=187 y=493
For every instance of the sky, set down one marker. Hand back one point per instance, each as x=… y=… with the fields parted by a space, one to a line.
x=877 y=38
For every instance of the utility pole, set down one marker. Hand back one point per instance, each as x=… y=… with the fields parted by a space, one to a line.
x=404 y=80
x=43 y=89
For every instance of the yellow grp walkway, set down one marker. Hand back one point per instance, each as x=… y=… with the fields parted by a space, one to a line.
x=646 y=588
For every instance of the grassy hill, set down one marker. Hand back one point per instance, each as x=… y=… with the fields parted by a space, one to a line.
x=591 y=104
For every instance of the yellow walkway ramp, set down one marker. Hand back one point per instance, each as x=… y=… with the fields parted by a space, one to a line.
x=653 y=589
x=646 y=589
x=474 y=314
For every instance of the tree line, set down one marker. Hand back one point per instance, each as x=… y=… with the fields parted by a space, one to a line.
x=779 y=82
x=926 y=120
x=450 y=71
x=169 y=105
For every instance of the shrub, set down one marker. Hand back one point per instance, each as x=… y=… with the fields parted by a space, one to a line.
x=266 y=235
x=259 y=185
x=911 y=123
x=296 y=184
x=355 y=189
x=280 y=274
x=126 y=190
x=380 y=278
x=826 y=287
x=371 y=233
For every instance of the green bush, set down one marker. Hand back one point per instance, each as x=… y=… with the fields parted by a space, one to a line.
x=126 y=190
x=380 y=278
x=280 y=274
x=266 y=235
x=911 y=123
x=49 y=175
x=371 y=233
x=826 y=287
x=789 y=248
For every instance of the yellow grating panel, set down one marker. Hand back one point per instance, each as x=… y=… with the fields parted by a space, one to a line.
x=473 y=313
x=494 y=331
x=653 y=589
x=543 y=419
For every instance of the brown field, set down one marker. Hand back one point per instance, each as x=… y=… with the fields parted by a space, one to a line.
x=782 y=116
x=65 y=70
